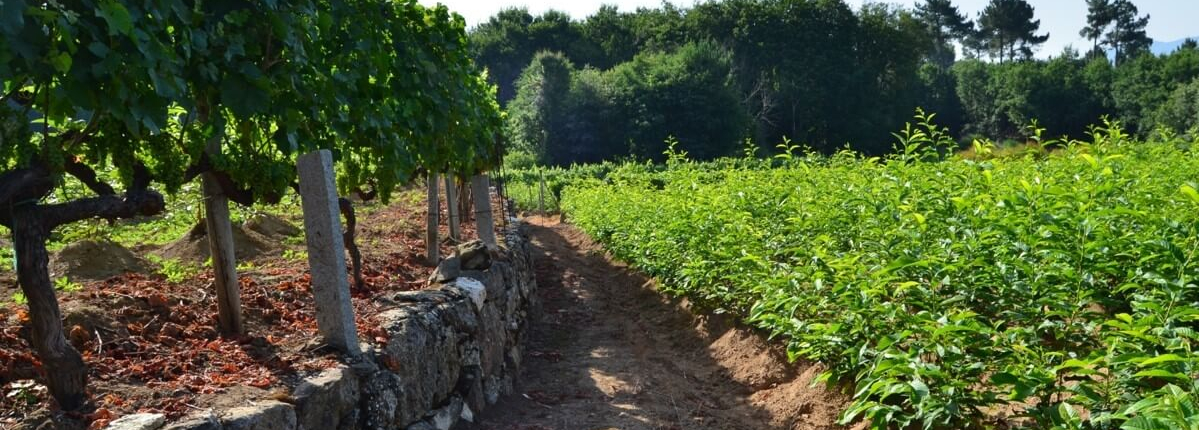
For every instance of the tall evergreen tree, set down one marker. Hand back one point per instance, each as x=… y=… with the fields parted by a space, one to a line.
x=1127 y=37
x=945 y=24
x=1100 y=14
x=974 y=43
x=1009 y=29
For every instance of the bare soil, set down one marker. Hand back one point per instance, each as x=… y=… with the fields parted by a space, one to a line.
x=248 y=244
x=94 y=260
x=610 y=352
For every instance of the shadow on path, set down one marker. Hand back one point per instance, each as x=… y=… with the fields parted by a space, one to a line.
x=609 y=352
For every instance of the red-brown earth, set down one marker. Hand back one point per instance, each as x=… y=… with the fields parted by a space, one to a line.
x=151 y=345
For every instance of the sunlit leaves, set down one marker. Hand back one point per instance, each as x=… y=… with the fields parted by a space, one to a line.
x=388 y=86
x=1058 y=286
x=117 y=16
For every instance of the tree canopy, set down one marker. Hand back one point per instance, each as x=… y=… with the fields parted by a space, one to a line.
x=945 y=24
x=824 y=74
x=1009 y=29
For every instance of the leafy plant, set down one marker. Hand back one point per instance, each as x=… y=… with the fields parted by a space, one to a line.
x=295 y=255
x=65 y=285
x=174 y=270
x=24 y=391
x=1061 y=286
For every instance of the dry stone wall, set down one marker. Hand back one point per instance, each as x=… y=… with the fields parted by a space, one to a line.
x=452 y=350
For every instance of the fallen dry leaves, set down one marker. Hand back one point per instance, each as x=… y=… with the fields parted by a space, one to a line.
x=155 y=348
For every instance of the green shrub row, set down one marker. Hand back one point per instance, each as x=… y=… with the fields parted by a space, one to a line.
x=950 y=292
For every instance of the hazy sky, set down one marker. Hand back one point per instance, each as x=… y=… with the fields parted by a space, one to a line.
x=1169 y=19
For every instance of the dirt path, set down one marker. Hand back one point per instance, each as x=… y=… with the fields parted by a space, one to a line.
x=608 y=352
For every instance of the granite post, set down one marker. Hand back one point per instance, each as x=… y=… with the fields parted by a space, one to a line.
x=326 y=251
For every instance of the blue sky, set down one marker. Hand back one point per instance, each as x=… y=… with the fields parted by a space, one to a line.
x=1169 y=19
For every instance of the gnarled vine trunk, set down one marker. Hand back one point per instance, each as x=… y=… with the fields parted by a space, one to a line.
x=464 y=201
x=347 y=211
x=66 y=375
x=31 y=224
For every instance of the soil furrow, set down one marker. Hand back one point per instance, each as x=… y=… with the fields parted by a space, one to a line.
x=610 y=352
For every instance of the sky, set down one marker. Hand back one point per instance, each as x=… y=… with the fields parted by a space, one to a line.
x=1062 y=19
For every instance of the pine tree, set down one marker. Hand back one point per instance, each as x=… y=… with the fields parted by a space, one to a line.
x=945 y=24
x=1008 y=28
x=1127 y=37
x=1100 y=14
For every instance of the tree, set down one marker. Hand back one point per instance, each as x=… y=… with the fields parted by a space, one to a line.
x=661 y=29
x=536 y=115
x=593 y=135
x=1181 y=111
x=612 y=33
x=1100 y=14
x=892 y=44
x=1143 y=85
x=687 y=94
x=1067 y=94
x=1008 y=28
x=564 y=115
x=1115 y=24
x=1127 y=37
x=797 y=65
x=508 y=41
x=946 y=24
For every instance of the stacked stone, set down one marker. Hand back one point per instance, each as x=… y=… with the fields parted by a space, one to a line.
x=451 y=351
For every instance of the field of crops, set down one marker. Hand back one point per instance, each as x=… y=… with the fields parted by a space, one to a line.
x=1049 y=290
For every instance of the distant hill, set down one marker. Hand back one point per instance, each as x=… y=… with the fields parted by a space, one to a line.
x=1168 y=47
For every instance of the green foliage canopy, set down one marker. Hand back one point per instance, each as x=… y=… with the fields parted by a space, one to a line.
x=144 y=86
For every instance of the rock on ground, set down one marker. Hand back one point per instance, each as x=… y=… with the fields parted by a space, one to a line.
x=138 y=422
x=265 y=415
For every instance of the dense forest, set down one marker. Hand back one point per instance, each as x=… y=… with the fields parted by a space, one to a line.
x=723 y=73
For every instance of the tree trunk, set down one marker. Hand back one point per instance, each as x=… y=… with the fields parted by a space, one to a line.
x=451 y=204
x=464 y=201
x=66 y=374
x=431 y=245
x=481 y=194
x=347 y=211
x=541 y=191
x=224 y=262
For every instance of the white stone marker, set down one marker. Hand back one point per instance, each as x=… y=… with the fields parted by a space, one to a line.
x=326 y=251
